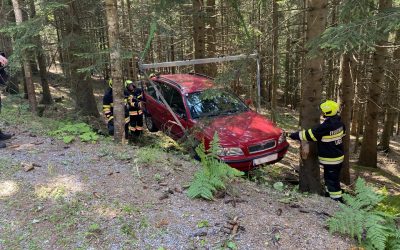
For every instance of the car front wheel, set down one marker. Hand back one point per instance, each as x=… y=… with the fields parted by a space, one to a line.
x=150 y=124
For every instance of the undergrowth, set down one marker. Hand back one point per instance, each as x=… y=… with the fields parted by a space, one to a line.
x=69 y=132
x=363 y=218
x=214 y=173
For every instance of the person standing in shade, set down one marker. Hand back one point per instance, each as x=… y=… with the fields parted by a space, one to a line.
x=328 y=136
x=3 y=80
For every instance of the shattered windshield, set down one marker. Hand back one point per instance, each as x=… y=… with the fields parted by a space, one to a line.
x=214 y=102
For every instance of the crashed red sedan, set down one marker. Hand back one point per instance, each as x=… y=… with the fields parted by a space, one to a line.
x=247 y=139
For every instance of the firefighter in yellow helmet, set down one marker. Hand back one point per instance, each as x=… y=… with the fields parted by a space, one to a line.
x=108 y=109
x=135 y=108
x=328 y=136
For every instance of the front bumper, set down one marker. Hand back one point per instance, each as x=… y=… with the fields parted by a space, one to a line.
x=247 y=163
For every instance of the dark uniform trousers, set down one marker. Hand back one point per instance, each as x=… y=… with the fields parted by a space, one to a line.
x=332 y=180
x=135 y=112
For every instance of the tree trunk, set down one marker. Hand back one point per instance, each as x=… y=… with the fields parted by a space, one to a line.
x=275 y=60
x=311 y=95
x=392 y=98
x=46 y=96
x=288 y=71
x=25 y=61
x=82 y=90
x=198 y=34
x=211 y=36
x=330 y=77
x=116 y=69
x=347 y=106
x=368 y=154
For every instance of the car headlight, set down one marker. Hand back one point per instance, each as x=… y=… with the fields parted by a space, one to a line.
x=229 y=151
x=282 y=138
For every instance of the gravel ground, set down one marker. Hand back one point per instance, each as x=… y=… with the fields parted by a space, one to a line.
x=92 y=196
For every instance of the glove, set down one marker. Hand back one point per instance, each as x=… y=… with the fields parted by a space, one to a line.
x=3 y=61
x=293 y=135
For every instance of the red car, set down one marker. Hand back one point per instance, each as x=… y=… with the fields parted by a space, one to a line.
x=247 y=139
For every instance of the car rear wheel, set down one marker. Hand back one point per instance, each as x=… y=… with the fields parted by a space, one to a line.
x=150 y=124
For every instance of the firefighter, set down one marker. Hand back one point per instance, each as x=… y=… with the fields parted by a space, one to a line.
x=108 y=110
x=135 y=109
x=3 y=79
x=328 y=136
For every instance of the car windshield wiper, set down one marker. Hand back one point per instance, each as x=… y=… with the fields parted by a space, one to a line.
x=232 y=111
x=209 y=114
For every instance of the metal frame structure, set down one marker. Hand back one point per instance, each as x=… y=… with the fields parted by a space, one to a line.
x=255 y=56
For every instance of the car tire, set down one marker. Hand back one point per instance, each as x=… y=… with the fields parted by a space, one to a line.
x=150 y=123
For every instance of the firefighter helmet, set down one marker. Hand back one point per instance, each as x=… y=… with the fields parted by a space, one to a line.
x=127 y=83
x=329 y=108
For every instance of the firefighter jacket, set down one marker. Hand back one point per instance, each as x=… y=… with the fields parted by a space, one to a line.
x=135 y=102
x=328 y=136
x=108 y=105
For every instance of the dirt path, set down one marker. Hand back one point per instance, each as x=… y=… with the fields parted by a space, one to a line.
x=102 y=196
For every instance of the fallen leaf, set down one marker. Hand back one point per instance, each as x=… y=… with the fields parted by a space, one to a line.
x=178 y=189
x=164 y=196
x=34 y=221
x=162 y=223
x=27 y=166
x=200 y=234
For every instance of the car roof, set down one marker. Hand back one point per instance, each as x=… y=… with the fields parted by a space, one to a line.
x=188 y=83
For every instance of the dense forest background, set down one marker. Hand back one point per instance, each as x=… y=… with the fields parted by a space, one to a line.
x=310 y=50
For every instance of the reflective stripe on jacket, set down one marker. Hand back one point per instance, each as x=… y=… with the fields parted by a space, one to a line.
x=328 y=136
x=108 y=105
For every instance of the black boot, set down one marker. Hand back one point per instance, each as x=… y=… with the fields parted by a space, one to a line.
x=2 y=145
x=339 y=200
x=4 y=136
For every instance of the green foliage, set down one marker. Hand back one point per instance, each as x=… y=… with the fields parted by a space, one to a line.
x=231 y=245
x=148 y=155
x=24 y=34
x=94 y=227
x=391 y=205
x=16 y=112
x=203 y=223
x=360 y=27
x=69 y=132
x=279 y=186
x=360 y=218
x=128 y=229
x=214 y=173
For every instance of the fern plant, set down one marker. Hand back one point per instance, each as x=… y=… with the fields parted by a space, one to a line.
x=214 y=173
x=69 y=132
x=361 y=218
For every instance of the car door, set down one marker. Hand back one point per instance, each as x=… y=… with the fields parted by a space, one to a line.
x=154 y=106
x=175 y=100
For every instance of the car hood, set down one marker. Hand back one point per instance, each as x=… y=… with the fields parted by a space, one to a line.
x=240 y=129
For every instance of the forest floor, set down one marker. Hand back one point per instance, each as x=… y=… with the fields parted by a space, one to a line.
x=107 y=196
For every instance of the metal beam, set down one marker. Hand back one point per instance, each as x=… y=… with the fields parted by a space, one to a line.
x=196 y=61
